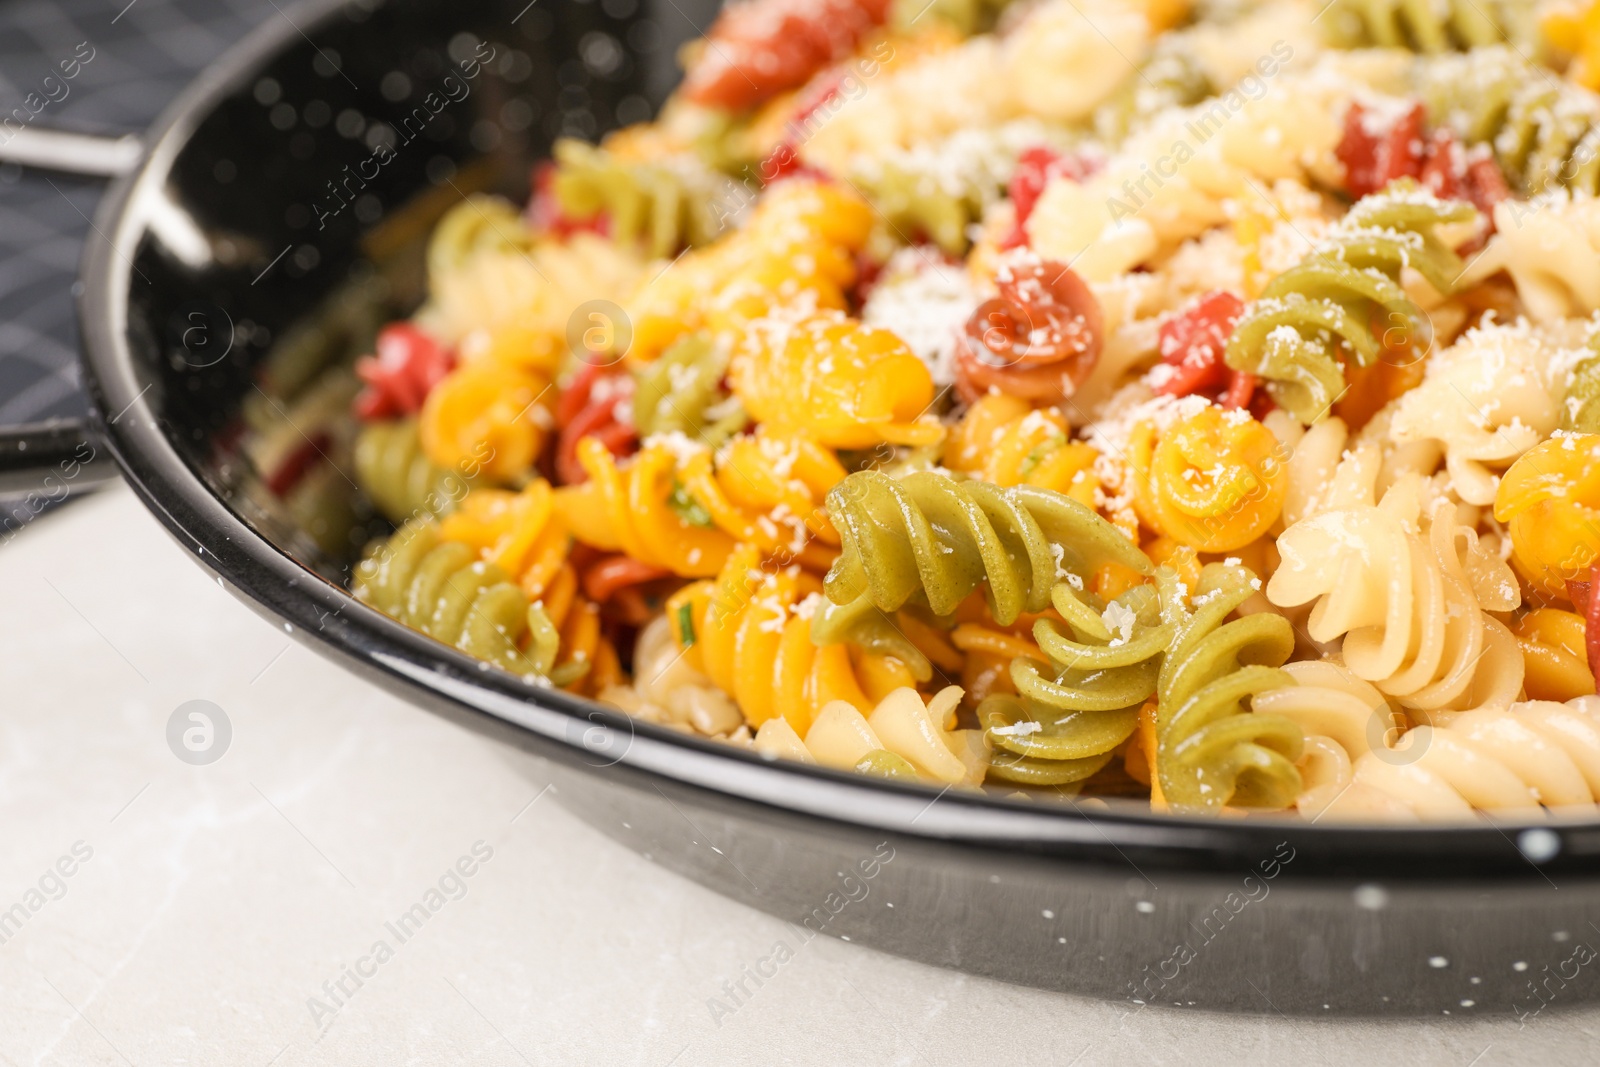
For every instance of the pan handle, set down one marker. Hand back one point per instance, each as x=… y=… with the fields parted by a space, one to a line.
x=52 y=459
x=72 y=153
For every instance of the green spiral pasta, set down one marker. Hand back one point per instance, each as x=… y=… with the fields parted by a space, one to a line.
x=927 y=541
x=1071 y=715
x=1332 y=304
x=966 y=17
x=396 y=476
x=683 y=391
x=1545 y=133
x=1210 y=751
x=1171 y=78
x=1580 y=408
x=478 y=224
x=442 y=589
x=938 y=191
x=1432 y=25
x=663 y=208
x=919 y=203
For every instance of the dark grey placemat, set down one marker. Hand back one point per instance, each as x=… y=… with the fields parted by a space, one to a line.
x=128 y=61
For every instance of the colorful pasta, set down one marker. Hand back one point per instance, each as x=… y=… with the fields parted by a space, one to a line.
x=1197 y=402
x=1544 y=133
x=683 y=392
x=1214 y=480
x=680 y=506
x=843 y=383
x=660 y=206
x=1340 y=291
x=796 y=251
x=1548 y=501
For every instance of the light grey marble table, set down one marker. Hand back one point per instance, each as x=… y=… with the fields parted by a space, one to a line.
x=207 y=905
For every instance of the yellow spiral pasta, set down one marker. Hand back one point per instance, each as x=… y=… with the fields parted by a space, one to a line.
x=1001 y=439
x=749 y=631
x=797 y=249
x=900 y=737
x=1214 y=480
x=845 y=384
x=681 y=506
x=1550 y=502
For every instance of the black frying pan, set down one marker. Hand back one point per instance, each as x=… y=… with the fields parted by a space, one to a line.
x=216 y=222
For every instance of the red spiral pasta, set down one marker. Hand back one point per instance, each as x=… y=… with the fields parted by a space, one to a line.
x=760 y=48
x=1375 y=153
x=597 y=403
x=1192 y=344
x=398 y=379
x=1038 y=339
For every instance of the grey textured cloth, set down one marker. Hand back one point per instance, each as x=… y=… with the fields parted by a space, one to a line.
x=127 y=61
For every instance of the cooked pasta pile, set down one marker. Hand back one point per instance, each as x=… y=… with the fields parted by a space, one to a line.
x=1176 y=399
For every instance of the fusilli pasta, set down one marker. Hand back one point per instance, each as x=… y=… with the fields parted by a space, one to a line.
x=1211 y=751
x=1340 y=291
x=900 y=737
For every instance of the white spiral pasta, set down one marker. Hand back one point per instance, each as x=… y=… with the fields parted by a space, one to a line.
x=1358 y=765
x=1408 y=599
x=536 y=289
x=666 y=690
x=1486 y=400
x=1069 y=55
x=902 y=737
x=1058 y=65
x=1175 y=179
x=1550 y=246
x=925 y=101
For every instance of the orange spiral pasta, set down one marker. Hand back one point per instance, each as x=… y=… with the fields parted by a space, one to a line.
x=749 y=630
x=1003 y=440
x=1214 y=481
x=1553 y=655
x=798 y=249
x=845 y=384
x=679 y=506
x=497 y=401
x=1550 y=501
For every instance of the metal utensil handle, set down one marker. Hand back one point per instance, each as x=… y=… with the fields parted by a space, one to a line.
x=52 y=458
x=72 y=153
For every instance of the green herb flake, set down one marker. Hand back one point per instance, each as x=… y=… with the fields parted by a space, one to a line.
x=688 y=508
